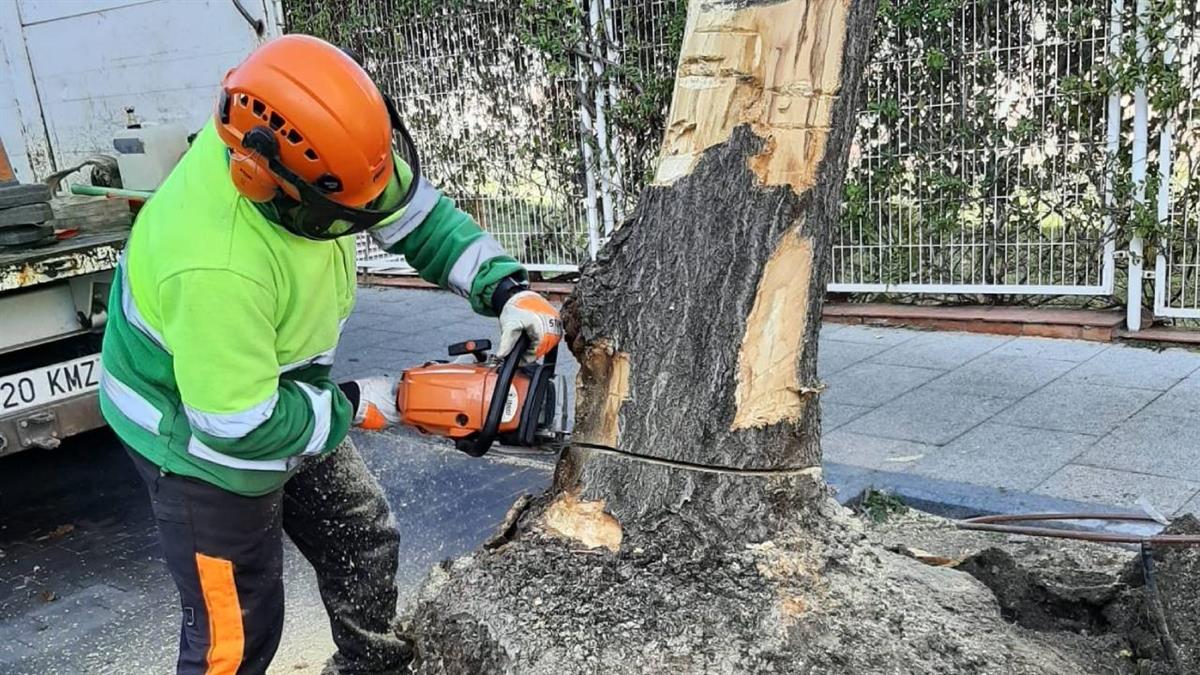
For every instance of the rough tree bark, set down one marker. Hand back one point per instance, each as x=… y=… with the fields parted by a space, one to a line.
x=719 y=549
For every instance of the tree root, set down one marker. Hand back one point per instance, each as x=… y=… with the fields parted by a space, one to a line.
x=824 y=598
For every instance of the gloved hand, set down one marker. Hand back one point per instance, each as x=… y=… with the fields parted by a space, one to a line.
x=529 y=313
x=376 y=406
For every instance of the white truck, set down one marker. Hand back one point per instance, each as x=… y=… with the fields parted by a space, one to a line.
x=52 y=311
x=71 y=71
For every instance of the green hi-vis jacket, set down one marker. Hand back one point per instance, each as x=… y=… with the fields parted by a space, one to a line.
x=222 y=325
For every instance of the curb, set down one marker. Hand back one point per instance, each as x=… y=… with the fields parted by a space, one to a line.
x=955 y=500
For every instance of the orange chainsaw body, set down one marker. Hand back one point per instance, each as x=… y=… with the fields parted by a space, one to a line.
x=481 y=403
x=452 y=399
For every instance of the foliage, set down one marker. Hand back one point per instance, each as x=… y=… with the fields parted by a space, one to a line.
x=981 y=155
x=878 y=505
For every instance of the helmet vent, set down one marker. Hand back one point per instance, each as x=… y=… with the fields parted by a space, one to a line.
x=258 y=108
x=294 y=137
x=276 y=121
x=243 y=100
x=310 y=154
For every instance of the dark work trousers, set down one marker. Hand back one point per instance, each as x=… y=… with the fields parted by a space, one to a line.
x=225 y=552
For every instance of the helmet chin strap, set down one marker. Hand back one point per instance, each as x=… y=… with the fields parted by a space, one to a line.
x=321 y=212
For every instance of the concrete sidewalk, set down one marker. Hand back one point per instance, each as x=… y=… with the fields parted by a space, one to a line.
x=1081 y=421
x=1085 y=421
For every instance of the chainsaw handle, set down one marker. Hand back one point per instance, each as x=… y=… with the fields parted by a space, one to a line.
x=478 y=445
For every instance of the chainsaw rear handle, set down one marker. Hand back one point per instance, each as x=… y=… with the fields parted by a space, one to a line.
x=478 y=444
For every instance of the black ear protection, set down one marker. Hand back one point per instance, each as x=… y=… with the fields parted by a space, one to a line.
x=323 y=211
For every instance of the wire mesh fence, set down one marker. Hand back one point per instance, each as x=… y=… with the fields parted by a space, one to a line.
x=993 y=154
x=979 y=162
x=1176 y=157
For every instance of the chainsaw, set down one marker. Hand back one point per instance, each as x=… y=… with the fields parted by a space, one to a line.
x=490 y=400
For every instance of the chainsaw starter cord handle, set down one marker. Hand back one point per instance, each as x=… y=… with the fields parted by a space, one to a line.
x=478 y=446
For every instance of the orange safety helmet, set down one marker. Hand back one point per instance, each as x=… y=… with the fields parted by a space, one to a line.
x=301 y=116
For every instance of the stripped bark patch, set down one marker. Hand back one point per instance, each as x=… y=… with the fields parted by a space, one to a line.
x=768 y=387
x=602 y=386
x=775 y=67
x=582 y=521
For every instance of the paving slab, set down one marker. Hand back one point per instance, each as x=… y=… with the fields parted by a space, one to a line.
x=1124 y=366
x=1121 y=488
x=873 y=384
x=833 y=355
x=873 y=334
x=1151 y=444
x=934 y=416
x=1181 y=400
x=873 y=452
x=1192 y=507
x=940 y=349
x=1051 y=348
x=1065 y=405
x=1002 y=375
x=834 y=415
x=1003 y=456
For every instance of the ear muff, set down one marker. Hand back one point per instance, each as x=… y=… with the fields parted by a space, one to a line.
x=250 y=176
x=251 y=179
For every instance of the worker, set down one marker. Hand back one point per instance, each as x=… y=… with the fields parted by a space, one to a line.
x=223 y=321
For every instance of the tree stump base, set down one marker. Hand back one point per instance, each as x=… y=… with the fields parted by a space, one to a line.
x=822 y=599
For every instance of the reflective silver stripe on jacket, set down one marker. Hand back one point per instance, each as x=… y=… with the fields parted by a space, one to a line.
x=197 y=448
x=234 y=424
x=130 y=310
x=423 y=202
x=131 y=404
x=462 y=274
x=321 y=401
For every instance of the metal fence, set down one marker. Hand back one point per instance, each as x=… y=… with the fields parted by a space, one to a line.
x=974 y=169
x=1177 y=260
x=1003 y=147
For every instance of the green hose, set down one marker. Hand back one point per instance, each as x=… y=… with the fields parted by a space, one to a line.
x=95 y=191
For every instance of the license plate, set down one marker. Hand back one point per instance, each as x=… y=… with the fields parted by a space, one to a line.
x=37 y=387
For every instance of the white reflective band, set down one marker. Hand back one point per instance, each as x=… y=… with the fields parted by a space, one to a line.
x=321 y=401
x=470 y=260
x=235 y=424
x=325 y=358
x=131 y=404
x=424 y=200
x=198 y=449
x=130 y=310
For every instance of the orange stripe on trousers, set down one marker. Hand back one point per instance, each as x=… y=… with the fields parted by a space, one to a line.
x=226 y=640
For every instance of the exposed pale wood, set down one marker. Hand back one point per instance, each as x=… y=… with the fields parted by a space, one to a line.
x=775 y=67
x=768 y=387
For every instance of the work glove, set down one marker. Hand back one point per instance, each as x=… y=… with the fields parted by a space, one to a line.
x=375 y=409
x=529 y=313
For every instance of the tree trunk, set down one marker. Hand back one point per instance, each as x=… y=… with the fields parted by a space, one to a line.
x=696 y=327
x=709 y=542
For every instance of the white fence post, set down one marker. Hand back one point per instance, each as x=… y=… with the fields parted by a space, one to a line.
x=599 y=94
x=1141 y=132
x=586 y=135
x=1162 y=269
